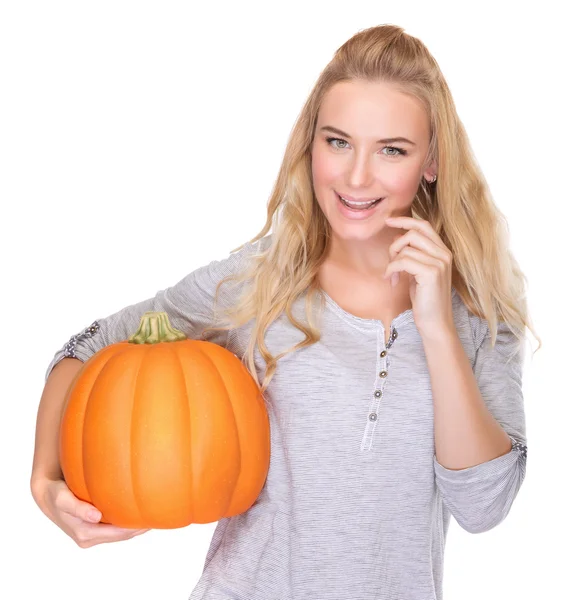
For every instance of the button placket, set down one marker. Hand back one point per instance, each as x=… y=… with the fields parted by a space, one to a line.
x=378 y=393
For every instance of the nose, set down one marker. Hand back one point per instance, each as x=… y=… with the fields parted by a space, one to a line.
x=360 y=173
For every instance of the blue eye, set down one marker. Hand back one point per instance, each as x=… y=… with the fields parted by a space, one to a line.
x=332 y=139
x=398 y=150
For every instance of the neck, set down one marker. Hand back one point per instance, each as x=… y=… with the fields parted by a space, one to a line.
x=366 y=258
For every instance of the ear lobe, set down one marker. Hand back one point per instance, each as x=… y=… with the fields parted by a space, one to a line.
x=433 y=168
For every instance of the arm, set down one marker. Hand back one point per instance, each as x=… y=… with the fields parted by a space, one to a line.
x=46 y=453
x=480 y=430
x=189 y=304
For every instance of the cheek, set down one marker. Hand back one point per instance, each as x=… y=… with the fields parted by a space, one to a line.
x=402 y=183
x=325 y=170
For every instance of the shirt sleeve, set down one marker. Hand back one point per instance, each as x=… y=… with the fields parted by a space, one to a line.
x=480 y=497
x=189 y=305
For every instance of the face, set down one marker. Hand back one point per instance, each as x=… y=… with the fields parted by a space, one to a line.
x=353 y=161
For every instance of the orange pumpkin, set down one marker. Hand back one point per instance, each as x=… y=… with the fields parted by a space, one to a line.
x=162 y=431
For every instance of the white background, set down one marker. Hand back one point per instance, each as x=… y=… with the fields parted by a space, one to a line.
x=141 y=140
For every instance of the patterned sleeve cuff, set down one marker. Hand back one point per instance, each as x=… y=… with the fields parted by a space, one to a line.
x=489 y=468
x=518 y=447
x=70 y=346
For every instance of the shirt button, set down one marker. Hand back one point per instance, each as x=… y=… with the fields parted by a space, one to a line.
x=383 y=373
x=394 y=334
x=373 y=416
x=383 y=353
x=377 y=393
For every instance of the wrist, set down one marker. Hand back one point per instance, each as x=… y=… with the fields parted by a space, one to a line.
x=38 y=485
x=440 y=334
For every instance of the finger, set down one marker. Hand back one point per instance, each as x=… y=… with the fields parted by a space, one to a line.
x=85 y=511
x=104 y=533
x=407 y=264
x=411 y=224
x=420 y=256
x=418 y=240
x=67 y=502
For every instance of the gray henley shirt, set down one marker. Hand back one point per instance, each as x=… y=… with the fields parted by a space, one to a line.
x=355 y=505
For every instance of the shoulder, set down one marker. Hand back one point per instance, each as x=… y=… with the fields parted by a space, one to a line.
x=236 y=260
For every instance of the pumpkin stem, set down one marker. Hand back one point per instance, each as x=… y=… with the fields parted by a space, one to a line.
x=154 y=328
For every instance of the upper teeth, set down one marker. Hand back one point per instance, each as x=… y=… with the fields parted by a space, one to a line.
x=358 y=203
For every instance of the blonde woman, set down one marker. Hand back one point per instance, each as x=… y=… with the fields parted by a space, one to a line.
x=384 y=318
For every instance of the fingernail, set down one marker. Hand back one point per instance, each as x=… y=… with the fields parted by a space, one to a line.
x=394 y=279
x=94 y=515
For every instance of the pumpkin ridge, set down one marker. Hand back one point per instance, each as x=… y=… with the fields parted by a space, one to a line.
x=82 y=428
x=177 y=353
x=238 y=445
x=135 y=491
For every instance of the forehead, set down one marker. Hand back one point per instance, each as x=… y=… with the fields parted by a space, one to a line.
x=373 y=110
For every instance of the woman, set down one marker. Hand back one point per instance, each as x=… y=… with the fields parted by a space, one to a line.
x=398 y=403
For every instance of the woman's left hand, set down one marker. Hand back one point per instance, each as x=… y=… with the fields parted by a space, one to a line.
x=423 y=255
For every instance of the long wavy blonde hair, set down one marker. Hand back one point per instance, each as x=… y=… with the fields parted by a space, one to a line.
x=459 y=206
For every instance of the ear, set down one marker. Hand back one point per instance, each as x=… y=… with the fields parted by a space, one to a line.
x=431 y=170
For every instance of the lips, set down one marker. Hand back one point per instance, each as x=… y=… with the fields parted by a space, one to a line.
x=372 y=203
x=352 y=199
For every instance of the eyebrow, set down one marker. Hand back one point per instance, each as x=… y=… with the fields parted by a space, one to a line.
x=384 y=141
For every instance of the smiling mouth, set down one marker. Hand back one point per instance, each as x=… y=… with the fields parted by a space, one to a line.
x=354 y=207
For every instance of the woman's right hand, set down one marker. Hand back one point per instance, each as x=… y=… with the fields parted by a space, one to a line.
x=74 y=516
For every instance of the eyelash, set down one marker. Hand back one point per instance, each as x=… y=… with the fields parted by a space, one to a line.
x=399 y=150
